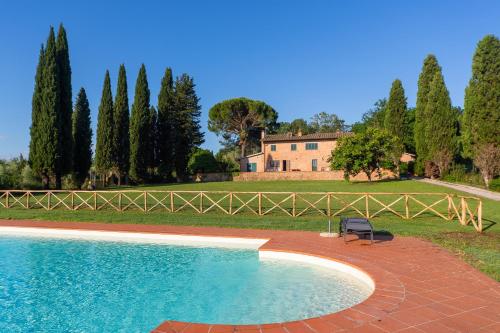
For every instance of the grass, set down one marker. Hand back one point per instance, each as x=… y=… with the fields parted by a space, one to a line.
x=480 y=250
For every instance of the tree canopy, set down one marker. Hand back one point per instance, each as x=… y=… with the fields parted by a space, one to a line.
x=481 y=118
x=429 y=70
x=326 y=122
x=202 y=160
x=238 y=116
x=82 y=138
x=441 y=128
x=121 y=135
x=104 y=150
x=166 y=130
x=374 y=117
x=140 y=121
x=365 y=152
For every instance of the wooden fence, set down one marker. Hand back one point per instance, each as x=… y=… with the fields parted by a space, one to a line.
x=405 y=205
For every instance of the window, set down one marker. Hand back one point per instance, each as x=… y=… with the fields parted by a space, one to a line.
x=311 y=146
x=293 y=147
x=274 y=165
x=251 y=167
x=314 y=165
x=273 y=147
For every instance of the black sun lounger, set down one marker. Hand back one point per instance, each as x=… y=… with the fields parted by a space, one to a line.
x=356 y=225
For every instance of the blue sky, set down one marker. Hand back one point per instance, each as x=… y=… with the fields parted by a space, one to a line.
x=301 y=57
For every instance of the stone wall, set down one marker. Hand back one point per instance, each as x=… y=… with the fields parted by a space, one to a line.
x=212 y=177
x=305 y=175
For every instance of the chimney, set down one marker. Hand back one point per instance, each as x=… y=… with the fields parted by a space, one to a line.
x=262 y=135
x=299 y=133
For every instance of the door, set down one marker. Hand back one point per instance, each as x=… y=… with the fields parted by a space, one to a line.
x=252 y=167
x=314 y=165
x=285 y=166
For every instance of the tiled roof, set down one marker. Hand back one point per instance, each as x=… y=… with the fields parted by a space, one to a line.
x=306 y=137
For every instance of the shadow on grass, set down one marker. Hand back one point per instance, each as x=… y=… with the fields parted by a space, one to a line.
x=488 y=224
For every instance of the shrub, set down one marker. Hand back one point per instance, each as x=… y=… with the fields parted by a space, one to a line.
x=202 y=160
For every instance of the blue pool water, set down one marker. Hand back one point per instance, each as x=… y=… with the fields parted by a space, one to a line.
x=55 y=285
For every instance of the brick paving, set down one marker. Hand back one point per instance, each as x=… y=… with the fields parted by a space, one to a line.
x=420 y=287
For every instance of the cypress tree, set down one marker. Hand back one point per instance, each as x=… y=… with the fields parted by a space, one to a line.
x=140 y=147
x=82 y=138
x=481 y=118
x=441 y=128
x=38 y=136
x=153 y=139
x=104 y=150
x=396 y=111
x=49 y=120
x=65 y=146
x=121 y=136
x=481 y=121
x=166 y=131
x=186 y=122
x=429 y=70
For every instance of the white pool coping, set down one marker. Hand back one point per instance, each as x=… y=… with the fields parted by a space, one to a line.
x=322 y=262
x=136 y=237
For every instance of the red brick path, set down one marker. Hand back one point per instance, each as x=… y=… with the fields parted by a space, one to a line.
x=419 y=286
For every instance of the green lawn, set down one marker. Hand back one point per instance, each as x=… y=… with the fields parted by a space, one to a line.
x=480 y=250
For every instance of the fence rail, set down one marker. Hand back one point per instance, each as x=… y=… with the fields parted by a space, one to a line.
x=407 y=206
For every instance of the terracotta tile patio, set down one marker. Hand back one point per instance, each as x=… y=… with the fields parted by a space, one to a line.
x=419 y=286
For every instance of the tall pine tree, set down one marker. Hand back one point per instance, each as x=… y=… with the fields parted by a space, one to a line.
x=121 y=136
x=39 y=162
x=441 y=128
x=104 y=150
x=153 y=139
x=65 y=146
x=49 y=120
x=481 y=119
x=186 y=122
x=140 y=145
x=166 y=130
x=396 y=110
x=82 y=138
x=429 y=69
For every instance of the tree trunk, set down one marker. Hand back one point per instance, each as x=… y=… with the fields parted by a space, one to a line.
x=119 y=179
x=242 y=148
x=45 y=181
x=486 y=180
x=58 y=181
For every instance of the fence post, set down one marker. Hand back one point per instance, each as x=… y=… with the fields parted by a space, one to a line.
x=72 y=200
x=366 y=206
x=120 y=201
x=230 y=203
x=7 y=199
x=201 y=202
x=328 y=201
x=28 y=199
x=145 y=202
x=95 y=200
x=449 y=207
x=48 y=200
x=480 y=216
x=294 y=202
x=462 y=203
x=260 y=203
x=407 y=207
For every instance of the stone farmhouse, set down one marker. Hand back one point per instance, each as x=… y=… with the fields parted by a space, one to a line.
x=289 y=152
x=295 y=157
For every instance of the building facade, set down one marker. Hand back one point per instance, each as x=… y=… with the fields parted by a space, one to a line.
x=288 y=152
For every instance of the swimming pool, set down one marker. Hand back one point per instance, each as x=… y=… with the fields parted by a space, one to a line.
x=65 y=285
